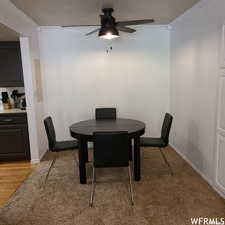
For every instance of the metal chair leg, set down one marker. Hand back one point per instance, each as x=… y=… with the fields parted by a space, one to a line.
x=76 y=162
x=166 y=161
x=131 y=186
x=51 y=166
x=130 y=150
x=76 y=157
x=93 y=187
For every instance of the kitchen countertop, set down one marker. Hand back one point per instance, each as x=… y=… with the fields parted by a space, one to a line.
x=12 y=111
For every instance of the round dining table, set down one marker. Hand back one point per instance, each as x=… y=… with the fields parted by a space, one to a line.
x=83 y=132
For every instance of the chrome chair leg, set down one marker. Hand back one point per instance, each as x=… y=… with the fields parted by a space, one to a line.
x=76 y=157
x=94 y=183
x=166 y=161
x=76 y=162
x=51 y=166
x=131 y=186
x=93 y=187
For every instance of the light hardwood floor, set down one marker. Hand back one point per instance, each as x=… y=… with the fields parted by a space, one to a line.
x=12 y=175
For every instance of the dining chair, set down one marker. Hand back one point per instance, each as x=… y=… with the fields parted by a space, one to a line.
x=56 y=146
x=111 y=149
x=105 y=113
x=162 y=141
x=110 y=114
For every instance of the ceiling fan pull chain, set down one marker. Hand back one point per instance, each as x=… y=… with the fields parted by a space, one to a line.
x=109 y=49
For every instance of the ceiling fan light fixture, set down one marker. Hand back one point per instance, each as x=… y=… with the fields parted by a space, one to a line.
x=108 y=33
x=109 y=36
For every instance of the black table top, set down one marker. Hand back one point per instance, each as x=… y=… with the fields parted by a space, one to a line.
x=87 y=127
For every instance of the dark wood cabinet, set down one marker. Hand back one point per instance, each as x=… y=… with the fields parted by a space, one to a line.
x=14 y=139
x=11 y=71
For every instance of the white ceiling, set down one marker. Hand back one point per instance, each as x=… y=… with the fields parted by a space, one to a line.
x=7 y=34
x=85 y=12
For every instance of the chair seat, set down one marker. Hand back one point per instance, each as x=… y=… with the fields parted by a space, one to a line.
x=152 y=142
x=65 y=145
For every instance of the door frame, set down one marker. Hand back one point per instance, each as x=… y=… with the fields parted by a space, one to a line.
x=29 y=87
x=220 y=132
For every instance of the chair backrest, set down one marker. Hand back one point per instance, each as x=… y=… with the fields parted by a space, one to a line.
x=50 y=131
x=165 y=132
x=105 y=113
x=111 y=149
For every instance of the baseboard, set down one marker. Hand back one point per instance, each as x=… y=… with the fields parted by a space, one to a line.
x=211 y=183
x=35 y=161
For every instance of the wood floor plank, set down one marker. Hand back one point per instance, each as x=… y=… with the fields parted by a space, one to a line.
x=12 y=175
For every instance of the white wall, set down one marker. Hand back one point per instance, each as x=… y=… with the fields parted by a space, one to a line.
x=18 y=21
x=195 y=41
x=79 y=75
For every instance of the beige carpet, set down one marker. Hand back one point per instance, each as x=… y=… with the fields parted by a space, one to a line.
x=159 y=198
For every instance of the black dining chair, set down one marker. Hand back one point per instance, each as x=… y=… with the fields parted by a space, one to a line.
x=111 y=149
x=110 y=114
x=56 y=146
x=105 y=113
x=162 y=141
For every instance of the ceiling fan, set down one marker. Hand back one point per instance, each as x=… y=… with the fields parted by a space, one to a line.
x=110 y=28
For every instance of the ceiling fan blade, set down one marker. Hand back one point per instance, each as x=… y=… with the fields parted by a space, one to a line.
x=134 y=22
x=125 y=29
x=80 y=25
x=92 y=32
